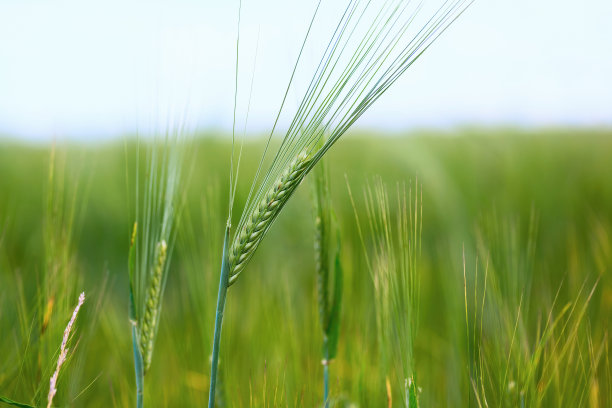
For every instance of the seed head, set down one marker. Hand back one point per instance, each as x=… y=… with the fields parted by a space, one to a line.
x=264 y=213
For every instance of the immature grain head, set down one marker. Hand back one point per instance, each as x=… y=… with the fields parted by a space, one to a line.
x=152 y=306
x=322 y=267
x=153 y=237
x=322 y=241
x=369 y=50
x=261 y=218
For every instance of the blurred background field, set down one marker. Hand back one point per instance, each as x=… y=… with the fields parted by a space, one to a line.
x=532 y=208
x=512 y=173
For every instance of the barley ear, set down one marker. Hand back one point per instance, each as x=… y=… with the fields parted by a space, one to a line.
x=329 y=309
x=264 y=213
x=321 y=241
x=332 y=330
x=152 y=306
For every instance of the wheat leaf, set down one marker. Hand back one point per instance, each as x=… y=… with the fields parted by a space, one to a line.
x=333 y=330
x=15 y=403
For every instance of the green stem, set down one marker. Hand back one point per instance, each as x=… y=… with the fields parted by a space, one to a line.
x=325 y=373
x=223 y=281
x=138 y=368
x=326 y=385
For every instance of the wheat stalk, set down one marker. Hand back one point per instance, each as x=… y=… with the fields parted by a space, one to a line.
x=321 y=248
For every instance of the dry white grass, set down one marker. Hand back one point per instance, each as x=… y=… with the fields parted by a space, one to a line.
x=63 y=351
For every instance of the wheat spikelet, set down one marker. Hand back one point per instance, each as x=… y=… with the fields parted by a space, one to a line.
x=263 y=215
x=321 y=266
x=321 y=243
x=152 y=306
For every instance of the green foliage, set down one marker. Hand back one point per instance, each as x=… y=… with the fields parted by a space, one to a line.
x=325 y=228
x=392 y=256
x=34 y=315
x=412 y=393
x=529 y=365
x=535 y=205
x=329 y=309
x=332 y=332
x=14 y=403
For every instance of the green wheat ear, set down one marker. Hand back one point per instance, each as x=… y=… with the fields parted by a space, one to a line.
x=152 y=306
x=264 y=213
x=321 y=243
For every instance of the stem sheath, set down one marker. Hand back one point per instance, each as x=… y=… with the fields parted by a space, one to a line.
x=326 y=385
x=223 y=285
x=138 y=368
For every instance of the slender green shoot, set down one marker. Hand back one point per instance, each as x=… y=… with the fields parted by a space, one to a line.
x=329 y=308
x=9 y=401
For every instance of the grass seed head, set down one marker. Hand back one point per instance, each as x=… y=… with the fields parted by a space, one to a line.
x=261 y=218
x=152 y=306
x=322 y=241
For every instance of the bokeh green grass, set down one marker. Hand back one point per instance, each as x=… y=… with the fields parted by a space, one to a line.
x=535 y=206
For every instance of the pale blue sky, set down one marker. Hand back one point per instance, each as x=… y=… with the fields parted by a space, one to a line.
x=97 y=69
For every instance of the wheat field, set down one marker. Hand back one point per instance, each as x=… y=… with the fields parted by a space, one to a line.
x=514 y=275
